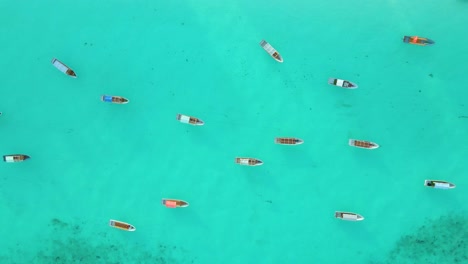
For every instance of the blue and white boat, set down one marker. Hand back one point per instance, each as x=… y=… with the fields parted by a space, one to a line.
x=114 y=99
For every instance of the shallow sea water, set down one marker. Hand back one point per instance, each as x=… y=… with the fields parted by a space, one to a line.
x=92 y=161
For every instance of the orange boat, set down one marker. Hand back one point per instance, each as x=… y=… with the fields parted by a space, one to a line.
x=415 y=40
x=363 y=144
x=173 y=203
x=122 y=225
x=288 y=141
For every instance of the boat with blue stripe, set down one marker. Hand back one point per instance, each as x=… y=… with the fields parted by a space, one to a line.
x=114 y=99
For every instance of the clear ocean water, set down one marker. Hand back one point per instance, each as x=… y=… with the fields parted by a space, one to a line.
x=92 y=161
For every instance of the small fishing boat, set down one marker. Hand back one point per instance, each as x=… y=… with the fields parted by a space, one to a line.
x=288 y=141
x=189 y=120
x=15 y=158
x=270 y=50
x=249 y=161
x=342 y=83
x=114 y=99
x=439 y=184
x=122 y=225
x=348 y=216
x=63 y=68
x=418 y=41
x=173 y=203
x=363 y=144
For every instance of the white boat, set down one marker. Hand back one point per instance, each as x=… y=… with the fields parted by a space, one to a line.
x=436 y=184
x=288 y=141
x=348 y=216
x=190 y=120
x=63 y=68
x=342 y=83
x=15 y=158
x=362 y=144
x=270 y=50
x=121 y=225
x=248 y=161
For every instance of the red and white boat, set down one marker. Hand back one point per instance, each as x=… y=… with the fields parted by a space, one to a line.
x=121 y=225
x=174 y=203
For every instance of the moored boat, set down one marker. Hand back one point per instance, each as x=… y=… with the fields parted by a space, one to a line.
x=63 y=68
x=249 y=161
x=15 y=158
x=415 y=40
x=348 y=216
x=342 y=83
x=174 y=203
x=270 y=50
x=363 y=144
x=288 y=141
x=190 y=120
x=121 y=225
x=114 y=99
x=436 y=184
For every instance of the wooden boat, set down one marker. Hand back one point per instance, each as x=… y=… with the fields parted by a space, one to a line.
x=190 y=120
x=15 y=158
x=173 y=203
x=348 y=216
x=122 y=225
x=249 y=161
x=63 y=68
x=270 y=50
x=288 y=141
x=415 y=40
x=363 y=144
x=114 y=99
x=342 y=83
x=436 y=184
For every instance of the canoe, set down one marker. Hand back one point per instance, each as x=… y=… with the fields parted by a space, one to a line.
x=342 y=83
x=15 y=158
x=348 y=216
x=63 y=68
x=174 y=203
x=270 y=50
x=190 y=120
x=436 y=184
x=415 y=40
x=121 y=225
x=288 y=141
x=114 y=99
x=362 y=144
x=248 y=161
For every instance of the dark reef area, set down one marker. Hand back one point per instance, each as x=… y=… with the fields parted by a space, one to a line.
x=78 y=248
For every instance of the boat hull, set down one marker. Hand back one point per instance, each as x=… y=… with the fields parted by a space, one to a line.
x=288 y=141
x=15 y=158
x=189 y=120
x=348 y=216
x=342 y=83
x=363 y=144
x=248 y=161
x=437 y=184
x=174 y=203
x=121 y=225
x=63 y=68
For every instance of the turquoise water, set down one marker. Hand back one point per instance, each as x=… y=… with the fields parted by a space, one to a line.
x=93 y=161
